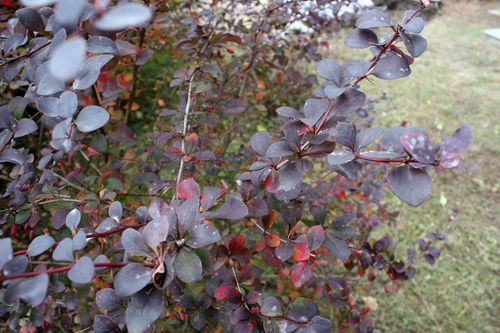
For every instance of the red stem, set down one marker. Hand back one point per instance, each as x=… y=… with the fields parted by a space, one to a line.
x=113 y=231
x=64 y=269
x=27 y=54
x=386 y=47
x=298 y=322
x=381 y=160
x=92 y=235
x=324 y=118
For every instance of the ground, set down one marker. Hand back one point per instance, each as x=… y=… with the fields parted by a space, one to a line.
x=456 y=81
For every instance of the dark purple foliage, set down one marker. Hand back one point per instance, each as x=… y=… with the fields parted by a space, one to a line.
x=123 y=211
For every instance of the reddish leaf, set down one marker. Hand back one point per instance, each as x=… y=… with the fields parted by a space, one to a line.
x=301 y=252
x=270 y=258
x=269 y=219
x=260 y=245
x=237 y=245
x=188 y=188
x=315 y=237
x=229 y=293
x=8 y=3
x=301 y=273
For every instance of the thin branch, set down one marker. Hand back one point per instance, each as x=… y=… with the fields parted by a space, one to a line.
x=93 y=235
x=71 y=184
x=234 y=122
x=184 y=132
x=23 y=56
x=41 y=202
x=91 y=163
x=64 y=269
x=326 y=115
x=135 y=74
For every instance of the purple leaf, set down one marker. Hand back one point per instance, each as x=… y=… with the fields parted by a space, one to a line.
x=115 y=211
x=411 y=185
x=80 y=240
x=187 y=266
x=302 y=310
x=329 y=69
x=286 y=111
x=12 y=156
x=202 y=235
x=64 y=250
x=17 y=265
x=132 y=278
x=101 y=44
x=321 y=325
x=271 y=307
x=134 y=244
x=24 y=127
x=289 y=177
x=339 y=157
x=30 y=18
x=284 y=251
x=187 y=213
x=232 y=209
x=32 y=290
x=210 y=196
x=68 y=12
x=361 y=38
x=415 y=44
x=392 y=67
x=373 y=19
x=49 y=85
x=73 y=219
x=82 y=271
x=104 y=324
x=391 y=141
x=90 y=70
x=314 y=109
x=457 y=143
x=345 y=134
x=6 y=253
x=315 y=237
x=67 y=58
x=123 y=16
x=260 y=141
x=156 y=231
x=107 y=299
x=350 y=101
x=39 y=245
x=143 y=310
x=418 y=145
x=91 y=118
x=37 y=3
x=415 y=25
x=279 y=149
x=367 y=136
x=337 y=247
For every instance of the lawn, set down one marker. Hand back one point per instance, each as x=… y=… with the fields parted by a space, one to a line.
x=456 y=81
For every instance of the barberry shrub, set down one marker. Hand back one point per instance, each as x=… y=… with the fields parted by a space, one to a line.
x=141 y=192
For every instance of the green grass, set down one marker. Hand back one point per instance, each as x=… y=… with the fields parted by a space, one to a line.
x=456 y=81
